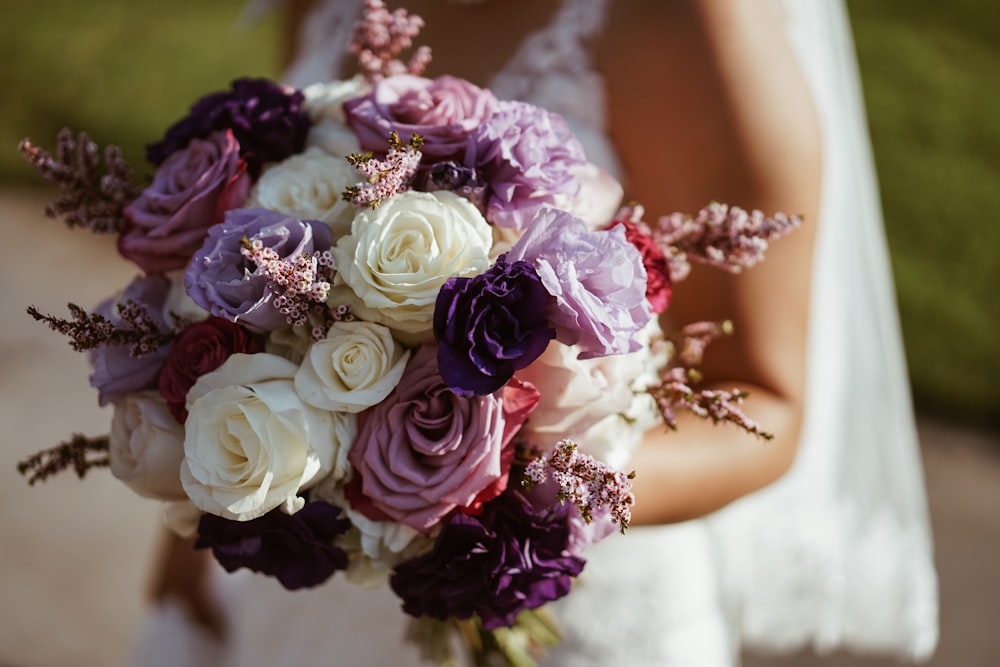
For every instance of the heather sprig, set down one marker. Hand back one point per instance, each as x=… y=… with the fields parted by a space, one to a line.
x=388 y=177
x=300 y=284
x=94 y=194
x=80 y=453
x=726 y=237
x=88 y=331
x=380 y=36
x=585 y=482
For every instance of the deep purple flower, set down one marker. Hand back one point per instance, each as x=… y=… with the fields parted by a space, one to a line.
x=227 y=284
x=490 y=326
x=510 y=558
x=454 y=177
x=297 y=549
x=116 y=371
x=527 y=156
x=267 y=119
x=597 y=278
x=444 y=111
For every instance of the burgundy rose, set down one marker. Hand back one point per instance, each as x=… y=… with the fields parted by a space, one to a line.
x=443 y=110
x=296 y=549
x=490 y=326
x=200 y=349
x=267 y=119
x=424 y=451
x=510 y=558
x=191 y=191
x=659 y=287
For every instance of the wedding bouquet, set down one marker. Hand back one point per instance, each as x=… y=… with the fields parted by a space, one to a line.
x=392 y=327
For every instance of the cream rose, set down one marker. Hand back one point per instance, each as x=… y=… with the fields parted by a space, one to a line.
x=251 y=444
x=325 y=105
x=309 y=187
x=147 y=446
x=353 y=368
x=394 y=261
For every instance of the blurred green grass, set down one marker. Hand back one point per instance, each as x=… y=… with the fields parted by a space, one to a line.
x=123 y=71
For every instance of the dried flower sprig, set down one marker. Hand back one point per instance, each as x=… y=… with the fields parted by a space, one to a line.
x=301 y=285
x=585 y=482
x=675 y=392
x=88 y=331
x=94 y=195
x=728 y=238
x=388 y=177
x=80 y=453
x=380 y=36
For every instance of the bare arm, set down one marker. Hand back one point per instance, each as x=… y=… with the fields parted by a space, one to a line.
x=706 y=103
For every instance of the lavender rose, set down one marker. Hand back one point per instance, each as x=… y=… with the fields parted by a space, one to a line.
x=597 y=278
x=527 y=156
x=228 y=285
x=267 y=119
x=490 y=326
x=190 y=192
x=510 y=558
x=443 y=110
x=116 y=372
x=425 y=451
x=297 y=549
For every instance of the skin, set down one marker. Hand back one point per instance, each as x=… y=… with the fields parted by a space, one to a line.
x=705 y=103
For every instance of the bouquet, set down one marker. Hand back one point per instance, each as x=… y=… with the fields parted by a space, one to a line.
x=390 y=327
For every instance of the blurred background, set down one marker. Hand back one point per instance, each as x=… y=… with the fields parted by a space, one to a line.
x=75 y=556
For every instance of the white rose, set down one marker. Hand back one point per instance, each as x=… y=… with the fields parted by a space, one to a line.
x=355 y=367
x=598 y=199
x=325 y=105
x=291 y=342
x=251 y=444
x=178 y=303
x=577 y=394
x=396 y=258
x=326 y=100
x=374 y=548
x=309 y=186
x=147 y=446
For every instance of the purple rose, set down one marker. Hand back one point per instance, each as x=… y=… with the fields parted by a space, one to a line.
x=190 y=192
x=228 y=285
x=443 y=110
x=597 y=278
x=425 y=451
x=490 y=326
x=116 y=371
x=510 y=558
x=267 y=119
x=526 y=155
x=297 y=549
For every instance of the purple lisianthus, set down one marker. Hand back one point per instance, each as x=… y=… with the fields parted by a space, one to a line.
x=454 y=177
x=116 y=371
x=597 y=278
x=490 y=326
x=526 y=155
x=191 y=190
x=267 y=119
x=510 y=558
x=444 y=111
x=425 y=451
x=296 y=549
x=228 y=285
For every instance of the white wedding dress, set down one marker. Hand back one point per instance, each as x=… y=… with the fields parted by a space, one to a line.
x=836 y=554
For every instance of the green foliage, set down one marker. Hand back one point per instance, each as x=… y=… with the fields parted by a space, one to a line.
x=931 y=72
x=121 y=70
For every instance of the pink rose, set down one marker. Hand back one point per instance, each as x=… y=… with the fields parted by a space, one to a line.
x=424 y=451
x=444 y=110
x=190 y=192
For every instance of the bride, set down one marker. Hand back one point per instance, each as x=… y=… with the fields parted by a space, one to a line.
x=819 y=537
